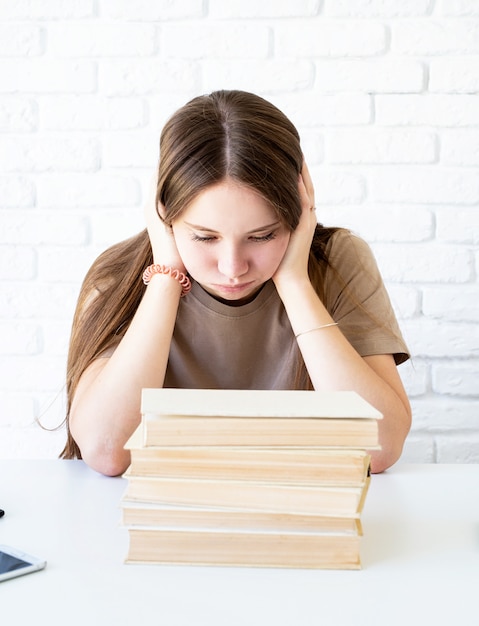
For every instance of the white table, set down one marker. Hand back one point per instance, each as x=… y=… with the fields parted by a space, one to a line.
x=420 y=555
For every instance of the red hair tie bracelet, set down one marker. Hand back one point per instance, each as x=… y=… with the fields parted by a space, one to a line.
x=174 y=273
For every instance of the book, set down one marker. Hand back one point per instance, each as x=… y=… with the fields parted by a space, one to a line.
x=140 y=513
x=211 y=417
x=289 y=465
x=256 y=403
x=249 y=478
x=244 y=548
x=277 y=497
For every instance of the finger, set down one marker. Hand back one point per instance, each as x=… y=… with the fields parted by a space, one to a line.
x=306 y=203
x=308 y=183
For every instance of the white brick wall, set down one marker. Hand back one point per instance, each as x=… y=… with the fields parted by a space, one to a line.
x=385 y=95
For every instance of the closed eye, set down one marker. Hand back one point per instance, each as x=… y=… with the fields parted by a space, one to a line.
x=267 y=237
x=207 y=239
x=253 y=238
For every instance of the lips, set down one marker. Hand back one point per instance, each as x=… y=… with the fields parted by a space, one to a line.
x=233 y=288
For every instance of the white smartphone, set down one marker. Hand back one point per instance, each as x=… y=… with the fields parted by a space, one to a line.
x=14 y=562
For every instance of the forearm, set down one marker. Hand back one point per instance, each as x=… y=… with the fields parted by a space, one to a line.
x=106 y=405
x=333 y=364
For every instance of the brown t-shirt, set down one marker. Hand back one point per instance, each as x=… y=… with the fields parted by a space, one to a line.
x=218 y=346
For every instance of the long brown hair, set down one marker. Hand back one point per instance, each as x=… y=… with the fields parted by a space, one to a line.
x=231 y=134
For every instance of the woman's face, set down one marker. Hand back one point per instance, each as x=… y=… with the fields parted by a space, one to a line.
x=231 y=241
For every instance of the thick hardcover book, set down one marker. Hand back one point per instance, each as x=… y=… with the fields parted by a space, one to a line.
x=288 y=465
x=139 y=514
x=206 y=417
x=244 y=548
x=250 y=496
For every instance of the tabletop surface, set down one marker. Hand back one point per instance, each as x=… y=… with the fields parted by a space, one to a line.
x=420 y=557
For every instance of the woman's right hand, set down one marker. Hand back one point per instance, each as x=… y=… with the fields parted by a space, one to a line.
x=161 y=236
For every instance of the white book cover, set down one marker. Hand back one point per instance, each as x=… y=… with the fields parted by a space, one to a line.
x=256 y=403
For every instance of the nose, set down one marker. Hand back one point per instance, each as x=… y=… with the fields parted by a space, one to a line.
x=232 y=262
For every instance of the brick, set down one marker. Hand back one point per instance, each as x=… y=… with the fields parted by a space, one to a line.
x=337 y=186
x=318 y=109
x=451 y=302
x=65 y=265
x=417 y=263
x=17 y=263
x=15 y=410
x=132 y=77
x=47 y=76
x=39 y=228
x=145 y=10
x=47 y=9
x=16 y=191
x=234 y=9
x=86 y=190
x=377 y=8
x=459 y=225
x=418 y=448
x=33 y=373
x=330 y=38
x=34 y=300
x=30 y=443
x=416 y=377
x=271 y=76
x=125 y=113
x=382 y=223
x=424 y=184
x=445 y=415
x=374 y=145
x=130 y=150
x=22 y=41
x=458 y=448
x=435 y=37
x=108 y=228
x=80 y=112
x=56 y=337
x=405 y=300
x=87 y=112
x=454 y=75
x=45 y=153
x=19 y=338
x=101 y=39
x=458 y=8
x=377 y=76
x=312 y=144
x=216 y=40
x=437 y=338
x=427 y=109
x=456 y=379
x=18 y=114
x=460 y=147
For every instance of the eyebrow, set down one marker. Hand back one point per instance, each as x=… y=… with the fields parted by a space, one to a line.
x=250 y=232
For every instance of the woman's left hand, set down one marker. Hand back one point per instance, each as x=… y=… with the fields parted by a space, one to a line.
x=294 y=264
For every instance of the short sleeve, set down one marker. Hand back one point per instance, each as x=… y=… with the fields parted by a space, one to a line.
x=356 y=298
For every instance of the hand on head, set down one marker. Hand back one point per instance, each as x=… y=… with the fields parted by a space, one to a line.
x=295 y=261
x=165 y=251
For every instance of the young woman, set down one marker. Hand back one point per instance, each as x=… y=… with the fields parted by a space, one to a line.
x=272 y=299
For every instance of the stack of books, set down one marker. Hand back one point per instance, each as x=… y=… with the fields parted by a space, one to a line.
x=249 y=478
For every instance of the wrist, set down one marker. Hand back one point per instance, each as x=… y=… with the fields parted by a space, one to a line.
x=290 y=285
x=171 y=272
